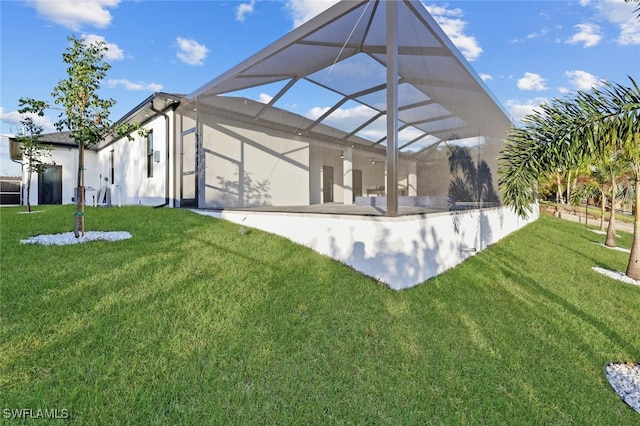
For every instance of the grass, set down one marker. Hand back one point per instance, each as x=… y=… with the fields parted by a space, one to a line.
x=196 y=321
x=594 y=212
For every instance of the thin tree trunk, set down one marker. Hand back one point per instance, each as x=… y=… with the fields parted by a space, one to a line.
x=633 y=268
x=569 y=187
x=559 y=198
x=79 y=215
x=586 y=212
x=611 y=229
x=29 y=191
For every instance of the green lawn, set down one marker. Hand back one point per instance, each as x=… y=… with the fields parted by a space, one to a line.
x=197 y=321
x=594 y=212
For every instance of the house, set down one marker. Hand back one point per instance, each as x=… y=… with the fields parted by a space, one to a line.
x=117 y=171
x=366 y=118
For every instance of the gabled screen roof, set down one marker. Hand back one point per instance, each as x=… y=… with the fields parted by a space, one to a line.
x=332 y=71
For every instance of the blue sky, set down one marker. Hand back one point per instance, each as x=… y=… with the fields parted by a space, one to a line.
x=526 y=51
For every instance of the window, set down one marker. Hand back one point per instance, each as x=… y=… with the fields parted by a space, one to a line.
x=111 y=168
x=150 y=154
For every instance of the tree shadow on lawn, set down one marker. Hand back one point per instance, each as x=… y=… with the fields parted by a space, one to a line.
x=615 y=339
x=246 y=332
x=151 y=306
x=595 y=261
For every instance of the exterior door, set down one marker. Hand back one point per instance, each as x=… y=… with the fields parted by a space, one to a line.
x=357 y=183
x=50 y=185
x=188 y=167
x=327 y=184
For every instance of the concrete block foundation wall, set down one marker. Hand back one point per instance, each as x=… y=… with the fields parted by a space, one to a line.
x=400 y=252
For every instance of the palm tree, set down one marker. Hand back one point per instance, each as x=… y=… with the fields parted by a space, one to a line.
x=594 y=185
x=589 y=188
x=566 y=130
x=614 y=167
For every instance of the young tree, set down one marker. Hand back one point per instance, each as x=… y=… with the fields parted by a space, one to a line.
x=34 y=152
x=85 y=114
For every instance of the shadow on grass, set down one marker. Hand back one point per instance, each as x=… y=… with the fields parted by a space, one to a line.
x=193 y=320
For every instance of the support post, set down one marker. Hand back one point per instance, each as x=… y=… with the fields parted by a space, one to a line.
x=392 y=110
x=412 y=179
x=347 y=176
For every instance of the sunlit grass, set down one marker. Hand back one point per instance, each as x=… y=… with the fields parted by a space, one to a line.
x=594 y=212
x=194 y=321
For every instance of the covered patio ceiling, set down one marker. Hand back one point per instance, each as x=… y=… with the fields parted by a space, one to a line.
x=339 y=61
x=379 y=71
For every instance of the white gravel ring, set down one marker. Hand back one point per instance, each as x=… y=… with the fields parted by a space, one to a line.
x=620 y=276
x=622 y=249
x=69 y=238
x=625 y=381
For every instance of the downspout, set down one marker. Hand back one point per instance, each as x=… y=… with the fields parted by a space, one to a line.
x=166 y=183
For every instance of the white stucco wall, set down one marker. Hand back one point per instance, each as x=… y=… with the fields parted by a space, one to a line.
x=401 y=252
x=131 y=184
x=242 y=167
x=67 y=158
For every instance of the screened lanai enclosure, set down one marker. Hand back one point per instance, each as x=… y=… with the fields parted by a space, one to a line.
x=367 y=104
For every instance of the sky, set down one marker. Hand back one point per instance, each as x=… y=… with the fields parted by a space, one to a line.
x=527 y=52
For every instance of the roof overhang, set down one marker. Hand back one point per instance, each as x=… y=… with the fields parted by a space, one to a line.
x=141 y=113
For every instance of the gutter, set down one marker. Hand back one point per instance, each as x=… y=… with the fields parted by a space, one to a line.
x=166 y=183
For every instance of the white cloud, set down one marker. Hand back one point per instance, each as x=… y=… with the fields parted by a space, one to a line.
x=486 y=77
x=531 y=81
x=74 y=14
x=7 y=167
x=358 y=112
x=264 y=98
x=350 y=118
x=14 y=117
x=519 y=109
x=11 y=117
x=191 y=52
x=300 y=11
x=588 y=34
x=113 y=54
x=129 y=85
x=629 y=34
x=315 y=112
x=244 y=9
x=582 y=80
x=622 y=14
x=543 y=32
x=454 y=27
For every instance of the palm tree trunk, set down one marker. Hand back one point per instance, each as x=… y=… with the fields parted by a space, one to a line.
x=569 y=187
x=611 y=229
x=633 y=268
x=559 y=198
